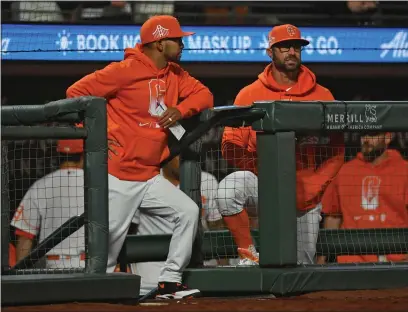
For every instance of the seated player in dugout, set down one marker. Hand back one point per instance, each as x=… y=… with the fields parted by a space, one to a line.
x=147 y=94
x=50 y=202
x=318 y=158
x=370 y=191
x=211 y=218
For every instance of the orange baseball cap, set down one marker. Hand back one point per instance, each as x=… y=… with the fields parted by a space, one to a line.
x=70 y=146
x=285 y=32
x=161 y=27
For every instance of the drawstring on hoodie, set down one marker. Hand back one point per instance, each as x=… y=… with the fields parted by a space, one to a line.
x=287 y=90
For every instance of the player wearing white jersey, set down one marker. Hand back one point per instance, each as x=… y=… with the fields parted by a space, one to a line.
x=50 y=202
x=153 y=225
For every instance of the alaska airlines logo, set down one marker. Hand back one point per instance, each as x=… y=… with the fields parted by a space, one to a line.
x=5 y=42
x=398 y=45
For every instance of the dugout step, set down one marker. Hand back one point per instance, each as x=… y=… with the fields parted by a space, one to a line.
x=60 y=288
x=292 y=281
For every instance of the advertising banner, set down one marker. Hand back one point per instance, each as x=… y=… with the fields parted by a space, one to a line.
x=210 y=44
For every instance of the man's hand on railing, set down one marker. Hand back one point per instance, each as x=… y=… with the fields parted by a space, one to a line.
x=169 y=117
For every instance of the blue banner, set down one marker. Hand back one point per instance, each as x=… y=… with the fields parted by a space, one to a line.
x=210 y=44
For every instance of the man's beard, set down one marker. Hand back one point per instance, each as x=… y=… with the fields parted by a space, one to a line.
x=174 y=59
x=282 y=66
x=373 y=154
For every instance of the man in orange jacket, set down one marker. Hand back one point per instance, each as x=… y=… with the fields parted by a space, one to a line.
x=317 y=163
x=148 y=93
x=370 y=191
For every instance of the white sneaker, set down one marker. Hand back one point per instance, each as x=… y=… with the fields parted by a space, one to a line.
x=248 y=257
x=168 y=290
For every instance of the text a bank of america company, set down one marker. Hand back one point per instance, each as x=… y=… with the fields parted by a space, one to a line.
x=352 y=122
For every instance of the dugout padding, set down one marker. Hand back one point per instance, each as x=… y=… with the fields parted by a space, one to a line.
x=277 y=125
x=21 y=285
x=330 y=242
x=296 y=280
x=58 y=288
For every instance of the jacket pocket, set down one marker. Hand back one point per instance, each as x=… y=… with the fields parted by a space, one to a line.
x=144 y=151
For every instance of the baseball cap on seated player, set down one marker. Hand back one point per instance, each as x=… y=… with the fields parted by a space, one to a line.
x=161 y=27
x=285 y=32
x=70 y=146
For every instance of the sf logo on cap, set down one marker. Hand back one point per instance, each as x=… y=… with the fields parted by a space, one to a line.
x=160 y=32
x=291 y=31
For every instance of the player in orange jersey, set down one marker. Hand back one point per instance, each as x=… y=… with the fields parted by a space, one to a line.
x=371 y=191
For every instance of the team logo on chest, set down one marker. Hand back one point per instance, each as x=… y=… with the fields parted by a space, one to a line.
x=157 y=88
x=370 y=192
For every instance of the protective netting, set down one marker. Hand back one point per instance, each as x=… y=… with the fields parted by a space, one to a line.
x=370 y=192
x=224 y=189
x=46 y=192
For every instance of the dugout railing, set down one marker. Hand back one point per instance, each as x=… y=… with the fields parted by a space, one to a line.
x=75 y=284
x=277 y=124
x=23 y=284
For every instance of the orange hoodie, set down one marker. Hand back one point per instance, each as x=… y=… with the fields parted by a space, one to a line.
x=134 y=89
x=316 y=164
x=368 y=196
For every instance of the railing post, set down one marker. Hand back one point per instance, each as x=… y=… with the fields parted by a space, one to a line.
x=190 y=184
x=5 y=208
x=96 y=187
x=277 y=198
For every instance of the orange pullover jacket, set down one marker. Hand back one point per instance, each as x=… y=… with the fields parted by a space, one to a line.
x=370 y=196
x=316 y=164
x=135 y=89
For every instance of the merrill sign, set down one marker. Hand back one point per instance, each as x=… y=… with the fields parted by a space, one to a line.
x=366 y=121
